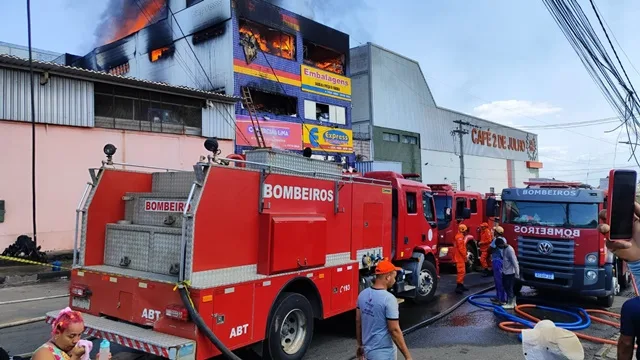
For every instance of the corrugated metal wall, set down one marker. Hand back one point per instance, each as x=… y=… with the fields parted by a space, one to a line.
x=218 y=120
x=400 y=99
x=360 y=99
x=366 y=166
x=61 y=101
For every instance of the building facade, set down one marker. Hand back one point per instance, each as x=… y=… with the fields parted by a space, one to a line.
x=390 y=92
x=77 y=113
x=297 y=70
x=397 y=145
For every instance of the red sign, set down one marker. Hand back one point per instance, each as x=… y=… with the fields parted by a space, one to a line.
x=164 y=205
x=277 y=134
x=488 y=138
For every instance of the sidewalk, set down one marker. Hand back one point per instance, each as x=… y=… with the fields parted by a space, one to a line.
x=15 y=273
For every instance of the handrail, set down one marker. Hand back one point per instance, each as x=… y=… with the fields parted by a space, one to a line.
x=143 y=166
x=79 y=210
x=340 y=177
x=183 y=239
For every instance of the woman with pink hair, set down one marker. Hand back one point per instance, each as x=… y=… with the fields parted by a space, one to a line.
x=65 y=342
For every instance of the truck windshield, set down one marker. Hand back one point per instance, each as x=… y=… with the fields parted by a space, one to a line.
x=442 y=202
x=550 y=214
x=427 y=206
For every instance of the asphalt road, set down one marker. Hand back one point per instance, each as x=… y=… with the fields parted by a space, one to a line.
x=468 y=332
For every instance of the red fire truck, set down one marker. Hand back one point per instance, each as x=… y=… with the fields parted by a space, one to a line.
x=553 y=228
x=237 y=253
x=461 y=207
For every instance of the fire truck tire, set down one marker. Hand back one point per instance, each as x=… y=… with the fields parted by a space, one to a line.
x=624 y=278
x=428 y=285
x=606 y=301
x=290 y=329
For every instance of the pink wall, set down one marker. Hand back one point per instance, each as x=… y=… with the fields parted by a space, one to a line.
x=63 y=156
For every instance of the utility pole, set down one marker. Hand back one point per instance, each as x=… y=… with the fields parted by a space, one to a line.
x=460 y=131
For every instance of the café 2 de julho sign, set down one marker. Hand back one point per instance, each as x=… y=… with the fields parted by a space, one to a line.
x=527 y=144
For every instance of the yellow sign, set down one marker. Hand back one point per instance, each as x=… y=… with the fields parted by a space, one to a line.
x=325 y=83
x=327 y=139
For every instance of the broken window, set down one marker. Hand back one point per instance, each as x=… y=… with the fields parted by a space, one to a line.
x=161 y=53
x=275 y=104
x=322 y=112
x=323 y=58
x=255 y=37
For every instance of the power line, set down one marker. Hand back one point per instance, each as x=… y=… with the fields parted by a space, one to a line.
x=234 y=126
x=33 y=130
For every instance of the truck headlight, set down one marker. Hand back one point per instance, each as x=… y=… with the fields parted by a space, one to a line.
x=591 y=275
x=591 y=259
x=444 y=251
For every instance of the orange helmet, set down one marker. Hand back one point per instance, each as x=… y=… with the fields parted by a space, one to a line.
x=484 y=225
x=462 y=228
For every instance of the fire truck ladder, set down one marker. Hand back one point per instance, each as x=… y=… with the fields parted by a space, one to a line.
x=253 y=115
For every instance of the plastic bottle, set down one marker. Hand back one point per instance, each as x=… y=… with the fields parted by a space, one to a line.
x=104 y=350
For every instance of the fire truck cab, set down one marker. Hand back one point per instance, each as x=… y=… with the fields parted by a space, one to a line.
x=461 y=207
x=553 y=228
x=241 y=252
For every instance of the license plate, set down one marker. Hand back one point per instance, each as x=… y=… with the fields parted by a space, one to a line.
x=544 y=275
x=82 y=303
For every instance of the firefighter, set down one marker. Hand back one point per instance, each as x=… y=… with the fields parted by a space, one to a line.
x=460 y=257
x=485 y=241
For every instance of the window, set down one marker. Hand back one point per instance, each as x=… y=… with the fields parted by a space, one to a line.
x=208 y=33
x=324 y=113
x=323 y=58
x=583 y=216
x=255 y=37
x=119 y=107
x=461 y=203
x=406 y=139
x=442 y=202
x=390 y=137
x=273 y=103
x=412 y=206
x=473 y=206
x=535 y=213
x=427 y=206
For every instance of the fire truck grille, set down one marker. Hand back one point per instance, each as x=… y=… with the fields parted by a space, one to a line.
x=546 y=255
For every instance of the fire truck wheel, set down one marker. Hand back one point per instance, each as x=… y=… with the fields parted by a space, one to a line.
x=428 y=283
x=624 y=278
x=291 y=327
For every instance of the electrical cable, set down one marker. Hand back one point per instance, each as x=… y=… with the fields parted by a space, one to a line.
x=33 y=130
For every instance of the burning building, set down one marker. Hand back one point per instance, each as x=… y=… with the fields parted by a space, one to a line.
x=297 y=70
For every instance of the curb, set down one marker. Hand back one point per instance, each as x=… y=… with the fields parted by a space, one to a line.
x=12 y=280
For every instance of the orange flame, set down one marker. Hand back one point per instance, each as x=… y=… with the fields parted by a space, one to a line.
x=157 y=53
x=274 y=42
x=144 y=17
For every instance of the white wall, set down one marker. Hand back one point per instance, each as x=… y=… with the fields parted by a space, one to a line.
x=481 y=173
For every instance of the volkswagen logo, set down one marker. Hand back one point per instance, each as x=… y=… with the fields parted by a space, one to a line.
x=545 y=247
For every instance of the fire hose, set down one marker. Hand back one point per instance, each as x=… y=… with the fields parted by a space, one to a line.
x=515 y=324
x=202 y=326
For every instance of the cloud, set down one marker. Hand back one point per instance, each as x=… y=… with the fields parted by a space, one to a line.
x=505 y=110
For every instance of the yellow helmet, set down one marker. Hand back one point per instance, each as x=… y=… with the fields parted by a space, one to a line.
x=462 y=228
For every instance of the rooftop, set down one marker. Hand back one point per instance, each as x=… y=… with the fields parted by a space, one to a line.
x=10 y=61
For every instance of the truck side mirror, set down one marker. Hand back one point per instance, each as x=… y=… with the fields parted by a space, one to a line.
x=466 y=213
x=447 y=214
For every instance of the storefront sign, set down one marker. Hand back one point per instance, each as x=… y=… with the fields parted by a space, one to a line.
x=491 y=139
x=277 y=134
x=325 y=83
x=327 y=139
x=265 y=72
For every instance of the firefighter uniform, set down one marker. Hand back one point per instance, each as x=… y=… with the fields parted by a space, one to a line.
x=460 y=257
x=485 y=241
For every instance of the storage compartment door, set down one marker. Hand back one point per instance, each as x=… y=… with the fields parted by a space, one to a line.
x=297 y=242
x=373 y=225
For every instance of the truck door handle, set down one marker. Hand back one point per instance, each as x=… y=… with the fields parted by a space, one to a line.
x=424 y=237
x=406 y=240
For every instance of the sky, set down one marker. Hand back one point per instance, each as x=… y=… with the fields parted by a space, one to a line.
x=503 y=60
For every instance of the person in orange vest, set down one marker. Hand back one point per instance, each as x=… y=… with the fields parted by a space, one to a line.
x=485 y=241
x=460 y=257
